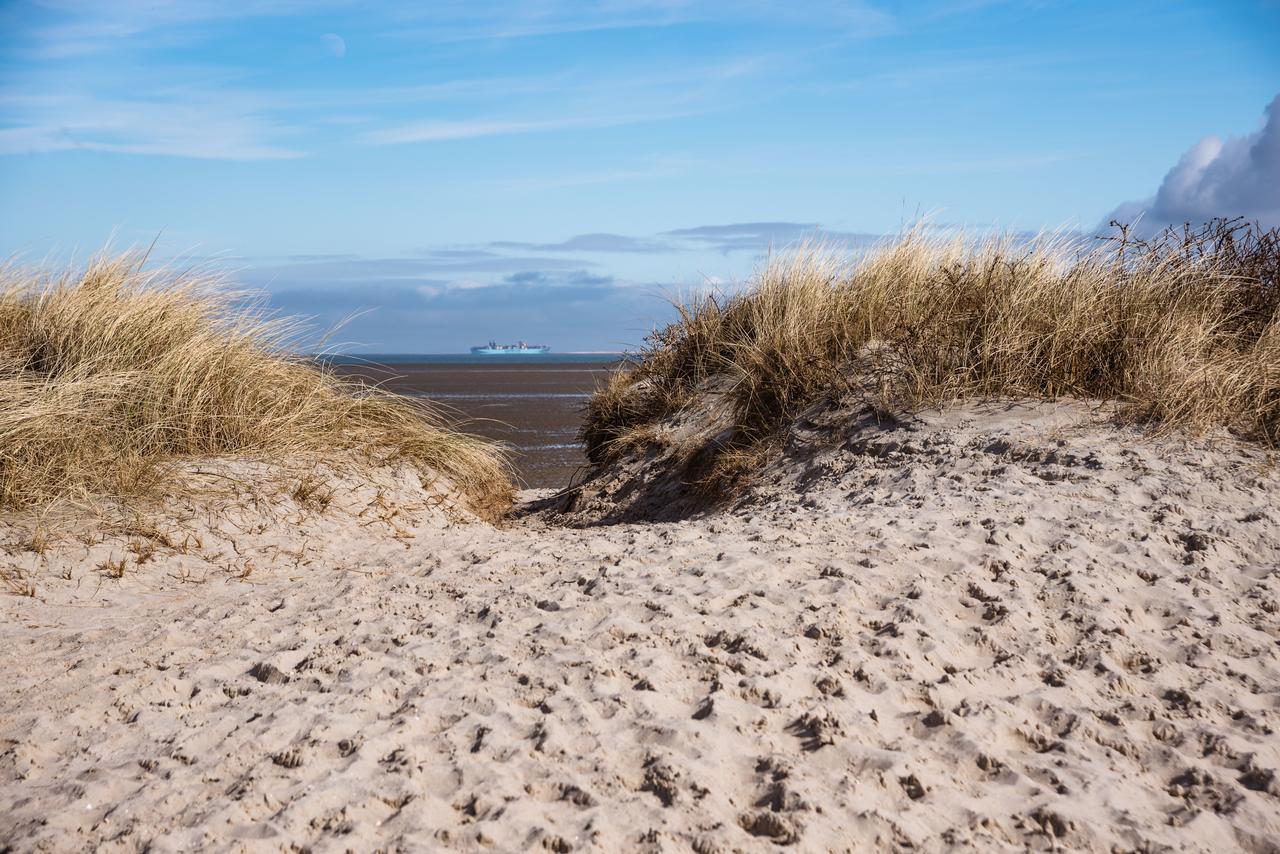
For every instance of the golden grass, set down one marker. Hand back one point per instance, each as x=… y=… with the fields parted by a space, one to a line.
x=109 y=377
x=1182 y=330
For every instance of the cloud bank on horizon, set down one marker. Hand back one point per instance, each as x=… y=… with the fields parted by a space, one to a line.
x=424 y=302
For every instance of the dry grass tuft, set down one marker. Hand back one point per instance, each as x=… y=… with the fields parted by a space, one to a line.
x=37 y=542
x=1182 y=330
x=113 y=567
x=17 y=582
x=110 y=376
x=313 y=492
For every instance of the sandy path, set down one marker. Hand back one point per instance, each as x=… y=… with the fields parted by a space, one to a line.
x=947 y=649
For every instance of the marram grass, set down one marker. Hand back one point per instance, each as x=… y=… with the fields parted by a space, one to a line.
x=109 y=376
x=1181 y=331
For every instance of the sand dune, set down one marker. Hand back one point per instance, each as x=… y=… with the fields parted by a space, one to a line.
x=1001 y=627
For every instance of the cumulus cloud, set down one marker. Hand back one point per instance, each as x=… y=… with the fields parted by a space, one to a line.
x=1239 y=176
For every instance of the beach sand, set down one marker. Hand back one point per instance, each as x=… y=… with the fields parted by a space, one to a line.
x=997 y=628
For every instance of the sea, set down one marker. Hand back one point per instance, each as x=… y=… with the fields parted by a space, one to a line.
x=532 y=403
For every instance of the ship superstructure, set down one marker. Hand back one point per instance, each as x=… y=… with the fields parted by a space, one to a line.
x=520 y=348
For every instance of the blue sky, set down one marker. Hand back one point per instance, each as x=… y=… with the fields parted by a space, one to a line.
x=459 y=171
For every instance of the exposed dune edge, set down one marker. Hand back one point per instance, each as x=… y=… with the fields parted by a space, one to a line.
x=999 y=626
x=676 y=468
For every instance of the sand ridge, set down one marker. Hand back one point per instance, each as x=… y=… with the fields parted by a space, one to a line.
x=992 y=628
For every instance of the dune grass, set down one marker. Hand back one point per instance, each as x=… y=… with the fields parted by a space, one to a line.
x=111 y=375
x=1181 y=330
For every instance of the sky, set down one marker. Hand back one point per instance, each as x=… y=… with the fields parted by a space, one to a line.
x=423 y=177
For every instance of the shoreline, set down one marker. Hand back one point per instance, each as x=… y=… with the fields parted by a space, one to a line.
x=533 y=407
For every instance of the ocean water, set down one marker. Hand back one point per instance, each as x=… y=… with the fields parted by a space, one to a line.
x=393 y=359
x=534 y=404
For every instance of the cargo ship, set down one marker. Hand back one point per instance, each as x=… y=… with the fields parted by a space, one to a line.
x=520 y=348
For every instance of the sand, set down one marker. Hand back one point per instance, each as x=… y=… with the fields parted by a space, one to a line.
x=1000 y=627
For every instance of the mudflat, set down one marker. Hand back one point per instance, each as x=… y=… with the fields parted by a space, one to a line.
x=535 y=407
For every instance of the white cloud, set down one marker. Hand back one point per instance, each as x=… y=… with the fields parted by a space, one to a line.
x=88 y=28
x=441 y=131
x=1239 y=176
x=468 y=284
x=105 y=77
x=498 y=20
x=180 y=124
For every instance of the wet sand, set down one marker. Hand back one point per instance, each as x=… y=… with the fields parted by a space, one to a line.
x=535 y=407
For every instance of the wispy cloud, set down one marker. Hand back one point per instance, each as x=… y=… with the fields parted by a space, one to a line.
x=69 y=28
x=208 y=111
x=600 y=242
x=180 y=123
x=443 y=131
x=439 y=265
x=65 y=29
x=763 y=236
x=727 y=237
x=504 y=20
x=107 y=77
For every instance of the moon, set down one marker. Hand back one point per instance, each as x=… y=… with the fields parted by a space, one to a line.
x=335 y=44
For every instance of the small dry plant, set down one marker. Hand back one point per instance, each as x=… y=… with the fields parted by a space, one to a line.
x=1182 y=330
x=313 y=492
x=17 y=582
x=37 y=542
x=113 y=567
